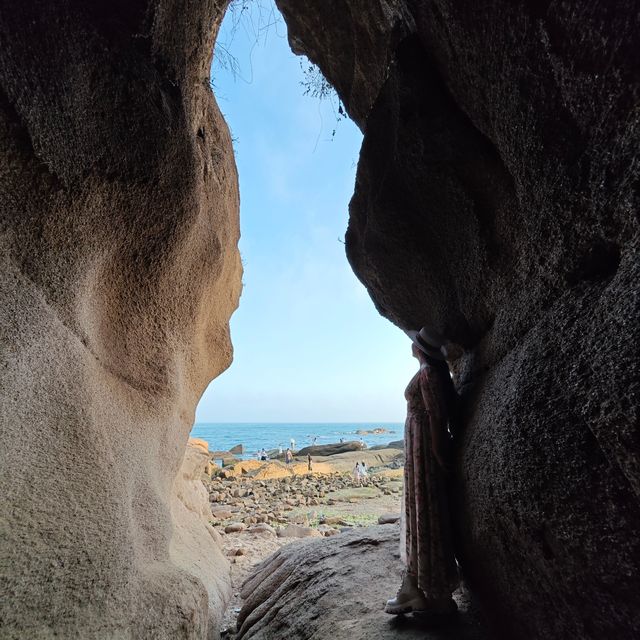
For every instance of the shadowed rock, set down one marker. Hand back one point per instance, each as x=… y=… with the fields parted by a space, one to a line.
x=496 y=201
x=336 y=588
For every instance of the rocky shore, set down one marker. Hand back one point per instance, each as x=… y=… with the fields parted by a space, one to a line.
x=258 y=507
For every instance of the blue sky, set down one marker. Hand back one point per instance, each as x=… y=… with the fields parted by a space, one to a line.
x=309 y=344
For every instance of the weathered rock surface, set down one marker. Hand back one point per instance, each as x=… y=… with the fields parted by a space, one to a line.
x=195 y=546
x=273 y=470
x=332 y=449
x=119 y=270
x=336 y=588
x=496 y=201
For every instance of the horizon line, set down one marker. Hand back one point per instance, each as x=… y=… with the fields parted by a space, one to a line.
x=301 y=422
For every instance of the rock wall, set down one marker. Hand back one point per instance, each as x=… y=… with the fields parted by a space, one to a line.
x=496 y=200
x=195 y=545
x=120 y=269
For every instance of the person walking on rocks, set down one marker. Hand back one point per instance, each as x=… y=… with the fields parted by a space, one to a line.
x=431 y=573
x=288 y=456
x=309 y=462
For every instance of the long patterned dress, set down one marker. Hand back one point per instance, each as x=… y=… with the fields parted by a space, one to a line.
x=429 y=551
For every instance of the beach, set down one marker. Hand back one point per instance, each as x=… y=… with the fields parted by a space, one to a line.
x=258 y=507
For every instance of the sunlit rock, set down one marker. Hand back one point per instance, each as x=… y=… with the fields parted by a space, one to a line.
x=119 y=271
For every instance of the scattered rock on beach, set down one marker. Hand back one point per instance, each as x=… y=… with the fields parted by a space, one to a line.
x=337 y=520
x=297 y=531
x=221 y=514
x=326 y=530
x=263 y=528
x=388 y=518
x=235 y=527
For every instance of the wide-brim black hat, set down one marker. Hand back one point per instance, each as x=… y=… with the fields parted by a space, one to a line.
x=428 y=341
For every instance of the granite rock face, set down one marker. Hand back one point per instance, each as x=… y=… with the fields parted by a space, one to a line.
x=336 y=588
x=120 y=269
x=195 y=545
x=496 y=201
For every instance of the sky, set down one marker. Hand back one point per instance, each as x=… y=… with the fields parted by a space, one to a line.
x=309 y=345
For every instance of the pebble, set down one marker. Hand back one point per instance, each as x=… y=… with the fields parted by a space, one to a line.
x=296 y=531
x=388 y=518
x=263 y=527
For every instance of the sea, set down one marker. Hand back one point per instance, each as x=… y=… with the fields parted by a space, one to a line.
x=268 y=435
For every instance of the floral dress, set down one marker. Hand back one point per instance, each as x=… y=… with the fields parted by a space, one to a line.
x=428 y=547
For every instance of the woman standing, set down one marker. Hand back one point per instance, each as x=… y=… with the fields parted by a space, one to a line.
x=356 y=473
x=431 y=573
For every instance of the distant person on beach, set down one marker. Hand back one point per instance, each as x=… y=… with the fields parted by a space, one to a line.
x=263 y=454
x=309 y=462
x=313 y=443
x=341 y=440
x=363 y=471
x=356 y=473
x=293 y=444
x=431 y=573
x=279 y=449
x=288 y=456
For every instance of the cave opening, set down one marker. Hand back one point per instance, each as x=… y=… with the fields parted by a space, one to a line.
x=305 y=324
x=494 y=201
x=315 y=365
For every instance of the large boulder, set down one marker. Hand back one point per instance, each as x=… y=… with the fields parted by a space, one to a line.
x=336 y=588
x=396 y=444
x=272 y=470
x=496 y=201
x=119 y=270
x=322 y=450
